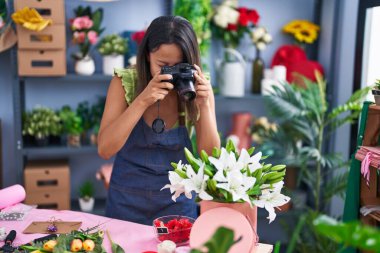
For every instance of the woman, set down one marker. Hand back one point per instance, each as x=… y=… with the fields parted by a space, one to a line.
x=136 y=99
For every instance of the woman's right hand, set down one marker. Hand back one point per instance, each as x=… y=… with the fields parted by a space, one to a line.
x=157 y=89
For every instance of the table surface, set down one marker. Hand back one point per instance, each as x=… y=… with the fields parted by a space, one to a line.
x=133 y=237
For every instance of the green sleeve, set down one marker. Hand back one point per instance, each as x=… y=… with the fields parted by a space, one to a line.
x=129 y=82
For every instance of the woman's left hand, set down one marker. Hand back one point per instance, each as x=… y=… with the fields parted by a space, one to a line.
x=202 y=87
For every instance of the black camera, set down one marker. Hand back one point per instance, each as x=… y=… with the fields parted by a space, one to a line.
x=183 y=79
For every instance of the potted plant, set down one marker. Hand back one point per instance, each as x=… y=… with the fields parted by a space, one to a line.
x=86 y=196
x=376 y=92
x=41 y=123
x=72 y=126
x=85 y=29
x=84 y=112
x=112 y=47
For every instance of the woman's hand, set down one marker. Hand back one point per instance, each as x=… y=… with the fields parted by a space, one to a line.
x=157 y=89
x=203 y=88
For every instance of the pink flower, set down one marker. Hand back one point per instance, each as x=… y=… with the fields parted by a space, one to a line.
x=79 y=37
x=80 y=23
x=92 y=37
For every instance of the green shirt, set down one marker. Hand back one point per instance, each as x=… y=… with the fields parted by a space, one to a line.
x=129 y=81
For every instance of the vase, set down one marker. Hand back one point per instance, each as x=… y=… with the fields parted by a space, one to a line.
x=257 y=73
x=376 y=95
x=241 y=128
x=110 y=62
x=245 y=209
x=41 y=141
x=85 y=66
x=73 y=140
x=86 y=205
x=231 y=75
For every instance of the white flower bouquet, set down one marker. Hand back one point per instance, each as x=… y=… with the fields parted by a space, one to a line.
x=260 y=38
x=230 y=177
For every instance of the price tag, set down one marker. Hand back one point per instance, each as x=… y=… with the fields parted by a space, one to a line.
x=162 y=230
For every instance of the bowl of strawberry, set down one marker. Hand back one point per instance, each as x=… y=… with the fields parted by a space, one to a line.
x=175 y=228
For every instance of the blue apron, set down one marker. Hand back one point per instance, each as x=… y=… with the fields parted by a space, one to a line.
x=139 y=172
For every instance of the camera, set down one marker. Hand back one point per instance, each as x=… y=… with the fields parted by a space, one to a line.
x=183 y=79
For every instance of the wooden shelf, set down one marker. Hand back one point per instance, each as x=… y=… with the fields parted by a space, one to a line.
x=57 y=151
x=97 y=77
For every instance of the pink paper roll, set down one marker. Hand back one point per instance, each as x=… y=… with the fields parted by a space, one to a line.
x=11 y=195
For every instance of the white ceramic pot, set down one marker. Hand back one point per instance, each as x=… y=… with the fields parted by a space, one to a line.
x=85 y=66
x=232 y=75
x=86 y=205
x=110 y=62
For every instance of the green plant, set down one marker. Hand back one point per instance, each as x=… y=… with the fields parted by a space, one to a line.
x=304 y=115
x=41 y=122
x=86 y=190
x=84 y=112
x=198 y=13
x=97 y=113
x=351 y=234
x=220 y=242
x=113 y=45
x=377 y=84
x=72 y=123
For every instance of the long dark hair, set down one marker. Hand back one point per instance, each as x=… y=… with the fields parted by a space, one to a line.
x=167 y=30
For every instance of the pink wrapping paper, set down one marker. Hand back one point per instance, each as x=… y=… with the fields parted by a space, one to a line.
x=11 y=195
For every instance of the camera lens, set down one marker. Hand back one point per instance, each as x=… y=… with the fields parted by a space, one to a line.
x=185 y=88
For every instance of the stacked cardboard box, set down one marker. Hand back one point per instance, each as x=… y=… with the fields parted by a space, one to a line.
x=43 y=53
x=47 y=184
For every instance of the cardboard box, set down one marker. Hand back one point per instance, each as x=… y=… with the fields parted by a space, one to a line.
x=52 y=37
x=42 y=62
x=49 y=9
x=47 y=176
x=47 y=184
x=49 y=200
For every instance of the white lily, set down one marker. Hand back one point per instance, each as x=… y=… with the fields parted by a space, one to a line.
x=197 y=182
x=176 y=184
x=253 y=162
x=271 y=198
x=237 y=184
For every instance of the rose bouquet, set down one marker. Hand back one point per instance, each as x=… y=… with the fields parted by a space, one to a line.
x=230 y=177
x=86 y=29
x=229 y=22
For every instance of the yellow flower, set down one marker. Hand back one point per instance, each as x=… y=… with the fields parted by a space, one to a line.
x=306 y=35
x=302 y=30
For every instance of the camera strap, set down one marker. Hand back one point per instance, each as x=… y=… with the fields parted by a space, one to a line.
x=181 y=112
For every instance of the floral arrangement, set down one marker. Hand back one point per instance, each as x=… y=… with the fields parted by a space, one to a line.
x=228 y=176
x=303 y=31
x=113 y=45
x=86 y=29
x=262 y=129
x=76 y=241
x=260 y=38
x=229 y=22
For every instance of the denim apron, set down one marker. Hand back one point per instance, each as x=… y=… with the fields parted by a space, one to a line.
x=141 y=169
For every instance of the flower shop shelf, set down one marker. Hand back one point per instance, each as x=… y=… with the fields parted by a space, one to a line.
x=97 y=77
x=57 y=151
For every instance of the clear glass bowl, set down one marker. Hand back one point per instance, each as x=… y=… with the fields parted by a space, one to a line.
x=175 y=228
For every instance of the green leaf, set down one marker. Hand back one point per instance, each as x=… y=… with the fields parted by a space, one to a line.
x=353 y=234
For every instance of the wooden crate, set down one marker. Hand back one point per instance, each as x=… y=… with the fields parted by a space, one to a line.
x=42 y=62
x=49 y=200
x=49 y=9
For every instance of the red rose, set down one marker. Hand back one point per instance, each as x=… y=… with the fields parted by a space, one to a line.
x=231 y=27
x=253 y=16
x=243 y=17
